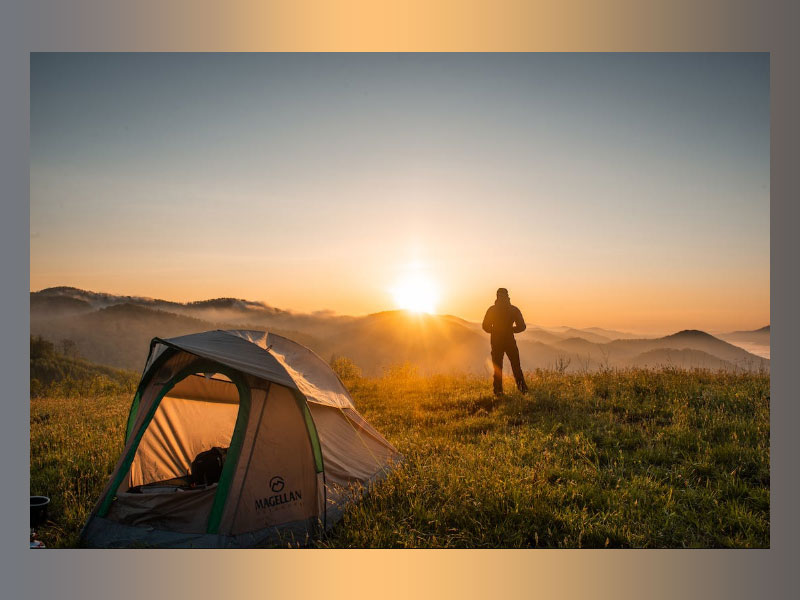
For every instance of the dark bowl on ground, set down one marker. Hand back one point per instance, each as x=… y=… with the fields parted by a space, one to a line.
x=39 y=510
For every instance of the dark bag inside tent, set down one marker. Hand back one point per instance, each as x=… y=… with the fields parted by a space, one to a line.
x=207 y=466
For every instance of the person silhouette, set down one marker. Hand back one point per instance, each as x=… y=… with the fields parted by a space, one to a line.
x=501 y=322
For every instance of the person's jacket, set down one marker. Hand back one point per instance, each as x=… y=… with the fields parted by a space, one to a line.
x=502 y=321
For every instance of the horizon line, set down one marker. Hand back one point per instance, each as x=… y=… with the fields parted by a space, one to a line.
x=331 y=312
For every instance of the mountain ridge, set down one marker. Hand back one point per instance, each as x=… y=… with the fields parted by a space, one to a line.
x=116 y=331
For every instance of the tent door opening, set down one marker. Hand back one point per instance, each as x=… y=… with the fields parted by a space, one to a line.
x=198 y=413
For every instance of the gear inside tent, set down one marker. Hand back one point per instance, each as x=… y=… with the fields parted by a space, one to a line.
x=236 y=439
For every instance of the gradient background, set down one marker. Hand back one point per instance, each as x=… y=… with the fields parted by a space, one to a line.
x=406 y=26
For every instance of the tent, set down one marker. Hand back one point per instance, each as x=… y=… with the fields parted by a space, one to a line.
x=297 y=450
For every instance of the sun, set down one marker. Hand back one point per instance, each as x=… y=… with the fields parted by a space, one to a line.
x=416 y=293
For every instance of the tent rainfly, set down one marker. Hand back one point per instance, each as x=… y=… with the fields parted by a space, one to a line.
x=296 y=451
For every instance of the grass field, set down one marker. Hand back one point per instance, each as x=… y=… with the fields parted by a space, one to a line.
x=644 y=459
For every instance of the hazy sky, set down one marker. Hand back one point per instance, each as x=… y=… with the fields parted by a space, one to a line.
x=616 y=190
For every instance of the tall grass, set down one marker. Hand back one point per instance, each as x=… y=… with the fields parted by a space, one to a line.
x=633 y=458
x=75 y=443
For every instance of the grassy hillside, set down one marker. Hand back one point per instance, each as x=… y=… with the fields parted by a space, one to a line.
x=631 y=458
x=55 y=373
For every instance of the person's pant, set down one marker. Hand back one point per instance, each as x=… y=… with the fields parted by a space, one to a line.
x=506 y=348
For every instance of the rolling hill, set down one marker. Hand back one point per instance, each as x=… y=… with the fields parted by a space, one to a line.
x=684 y=359
x=48 y=367
x=691 y=339
x=756 y=342
x=758 y=336
x=117 y=335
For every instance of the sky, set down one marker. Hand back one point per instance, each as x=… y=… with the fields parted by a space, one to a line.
x=627 y=191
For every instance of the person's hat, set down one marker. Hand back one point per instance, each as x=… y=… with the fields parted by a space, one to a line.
x=502 y=292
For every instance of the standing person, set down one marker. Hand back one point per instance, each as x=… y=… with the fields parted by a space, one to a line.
x=502 y=321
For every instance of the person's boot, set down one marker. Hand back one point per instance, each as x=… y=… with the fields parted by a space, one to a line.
x=522 y=387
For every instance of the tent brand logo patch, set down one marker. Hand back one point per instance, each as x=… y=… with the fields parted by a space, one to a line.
x=279 y=498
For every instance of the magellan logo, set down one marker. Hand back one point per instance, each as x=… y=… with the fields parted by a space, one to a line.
x=279 y=497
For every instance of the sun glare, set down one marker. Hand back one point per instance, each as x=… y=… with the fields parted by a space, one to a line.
x=416 y=293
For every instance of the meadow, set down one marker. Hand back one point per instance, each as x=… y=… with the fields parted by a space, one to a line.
x=616 y=458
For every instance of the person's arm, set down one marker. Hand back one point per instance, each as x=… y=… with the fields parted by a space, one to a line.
x=519 y=322
x=487 y=321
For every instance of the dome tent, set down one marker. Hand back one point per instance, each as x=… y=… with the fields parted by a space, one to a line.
x=297 y=450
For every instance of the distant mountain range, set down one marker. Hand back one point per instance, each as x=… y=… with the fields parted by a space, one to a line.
x=116 y=331
x=756 y=342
